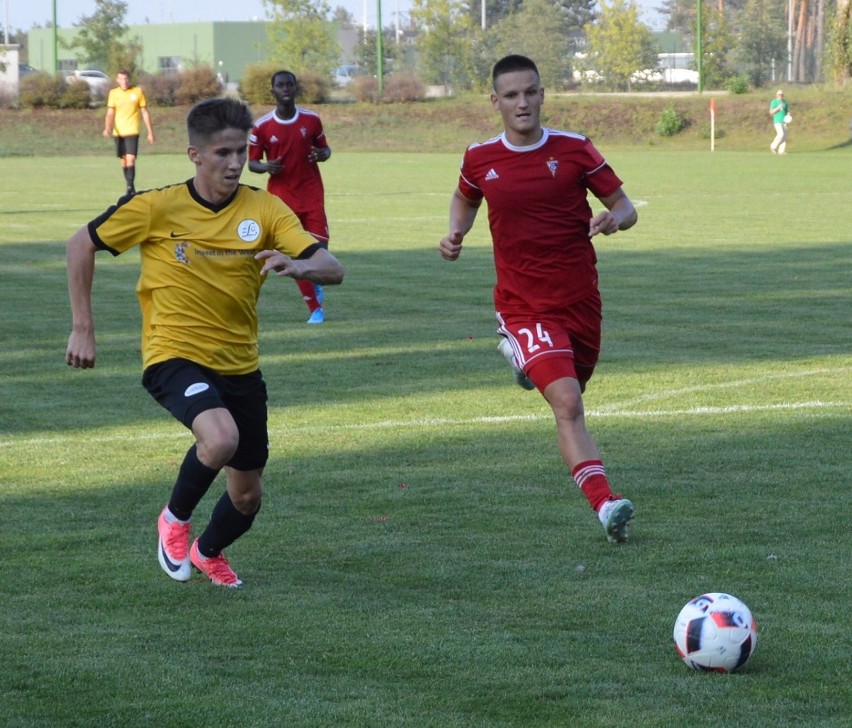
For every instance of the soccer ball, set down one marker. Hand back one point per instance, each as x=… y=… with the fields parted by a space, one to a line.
x=715 y=632
x=788 y=118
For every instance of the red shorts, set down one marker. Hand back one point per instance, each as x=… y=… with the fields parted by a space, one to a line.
x=558 y=344
x=316 y=223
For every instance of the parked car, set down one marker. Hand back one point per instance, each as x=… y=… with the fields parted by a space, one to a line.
x=343 y=75
x=99 y=83
x=25 y=69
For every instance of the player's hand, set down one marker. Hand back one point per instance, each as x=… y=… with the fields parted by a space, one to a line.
x=317 y=155
x=150 y=137
x=604 y=222
x=275 y=261
x=451 y=245
x=107 y=133
x=80 y=353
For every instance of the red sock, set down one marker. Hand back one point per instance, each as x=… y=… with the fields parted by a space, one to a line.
x=309 y=294
x=591 y=479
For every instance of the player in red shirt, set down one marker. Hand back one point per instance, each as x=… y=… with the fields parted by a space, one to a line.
x=293 y=142
x=535 y=181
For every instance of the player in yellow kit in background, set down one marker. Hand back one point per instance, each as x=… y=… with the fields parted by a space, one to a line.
x=127 y=108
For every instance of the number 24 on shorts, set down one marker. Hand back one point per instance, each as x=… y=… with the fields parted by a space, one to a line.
x=535 y=340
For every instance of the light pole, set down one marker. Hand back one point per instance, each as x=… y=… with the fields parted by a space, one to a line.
x=699 y=49
x=55 y=42
x=379 y=49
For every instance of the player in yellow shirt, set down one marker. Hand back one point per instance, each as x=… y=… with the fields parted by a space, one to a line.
x=206 y=247
x=127 y=108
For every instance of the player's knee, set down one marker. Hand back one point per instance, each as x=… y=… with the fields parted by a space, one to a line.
x=247 y=494
x=249 y=503
x=566 y=401
x=215 y=449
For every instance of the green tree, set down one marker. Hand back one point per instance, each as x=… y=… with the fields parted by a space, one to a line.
x=446 y=42
x=537 y=30
x=101 y=38
x=840 y=43
x=365 y=52
x=575 y=13
x=764 y=39
x=619 y=45
x=301 y=36
x=718 y=44
x=495 y=11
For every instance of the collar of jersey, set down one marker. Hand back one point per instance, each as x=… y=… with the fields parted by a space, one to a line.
x=285 y=121
x=193 y=193
x=528 y=147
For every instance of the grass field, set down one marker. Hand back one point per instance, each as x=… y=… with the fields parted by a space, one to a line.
x=417 y=561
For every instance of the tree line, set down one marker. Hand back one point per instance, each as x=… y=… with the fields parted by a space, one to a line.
x=453 y=43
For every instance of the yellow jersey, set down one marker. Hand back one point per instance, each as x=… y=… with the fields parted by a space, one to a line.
x=128 y=118
x=199 y=282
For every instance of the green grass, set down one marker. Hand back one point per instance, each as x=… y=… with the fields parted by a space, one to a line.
x=416 y=559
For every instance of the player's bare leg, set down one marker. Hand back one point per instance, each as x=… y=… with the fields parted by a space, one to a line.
x=580 y=453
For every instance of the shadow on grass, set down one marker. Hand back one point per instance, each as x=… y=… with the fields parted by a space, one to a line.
x=842 y=145
x=364 y=598
x=406 y=323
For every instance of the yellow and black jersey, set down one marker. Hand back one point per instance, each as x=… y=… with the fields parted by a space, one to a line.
x=199 y=282
x=127 y=102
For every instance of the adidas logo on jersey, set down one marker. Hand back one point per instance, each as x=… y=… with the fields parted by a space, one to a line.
x=492 y=175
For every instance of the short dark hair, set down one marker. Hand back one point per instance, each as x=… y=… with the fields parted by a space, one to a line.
x=511 y=63
x=282 y=73
x=211 y=116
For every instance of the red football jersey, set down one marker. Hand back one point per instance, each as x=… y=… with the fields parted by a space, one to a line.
x=300 y=184
x=539 y=216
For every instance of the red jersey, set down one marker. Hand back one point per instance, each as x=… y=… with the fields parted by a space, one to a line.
x=539 y=216
x=300 y=184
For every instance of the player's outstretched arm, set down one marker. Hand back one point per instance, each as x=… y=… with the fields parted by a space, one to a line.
x=322 y=267
x=80 y=257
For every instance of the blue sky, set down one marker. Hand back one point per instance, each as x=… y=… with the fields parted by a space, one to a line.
x=24 y=13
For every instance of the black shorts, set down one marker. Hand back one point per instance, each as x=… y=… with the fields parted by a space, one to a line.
x=127 y=145
x=187 y=389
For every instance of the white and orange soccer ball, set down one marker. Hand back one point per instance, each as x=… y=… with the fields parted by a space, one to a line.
x=715 y=632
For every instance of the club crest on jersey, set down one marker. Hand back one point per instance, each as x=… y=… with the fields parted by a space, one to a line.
x=552 y=165
x=304 y=131
x=248 y=231
x=180 y=252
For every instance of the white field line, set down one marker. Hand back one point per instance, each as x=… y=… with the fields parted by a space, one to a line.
x=733 y=384
x=625 y=410
x=824 y=407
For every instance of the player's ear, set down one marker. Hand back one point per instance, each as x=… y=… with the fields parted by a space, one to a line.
x=192 y=153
